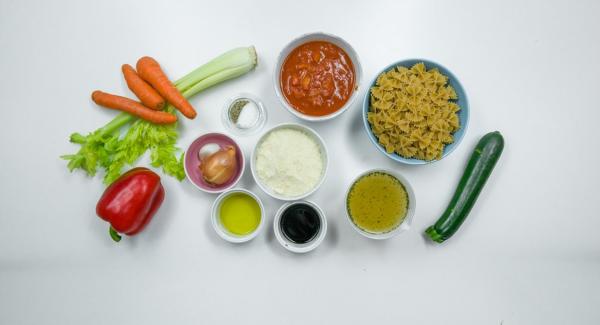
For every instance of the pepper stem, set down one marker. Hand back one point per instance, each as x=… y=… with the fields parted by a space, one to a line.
x=114 y=234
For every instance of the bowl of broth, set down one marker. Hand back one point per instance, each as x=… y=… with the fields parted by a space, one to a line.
x=317 y=76
x=380 y=204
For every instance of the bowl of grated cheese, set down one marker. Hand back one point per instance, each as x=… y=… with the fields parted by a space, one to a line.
x=289 y=161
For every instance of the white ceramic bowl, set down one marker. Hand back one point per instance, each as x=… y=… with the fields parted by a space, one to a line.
x=410 y=212
x=218 y=227
x=295 y=247
x=322 y=147
x=317 y=36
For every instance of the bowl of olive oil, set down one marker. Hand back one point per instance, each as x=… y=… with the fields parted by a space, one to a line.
x=238 y=215
x=380 y=204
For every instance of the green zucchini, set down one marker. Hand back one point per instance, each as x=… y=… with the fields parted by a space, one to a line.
x=479 y=168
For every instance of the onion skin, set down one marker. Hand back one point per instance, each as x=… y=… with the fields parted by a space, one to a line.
x=218 y=168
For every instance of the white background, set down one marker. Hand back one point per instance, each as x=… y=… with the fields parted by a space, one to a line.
x=528 y=254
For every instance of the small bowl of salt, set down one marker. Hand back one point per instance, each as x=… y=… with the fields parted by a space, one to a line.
x=244 y=114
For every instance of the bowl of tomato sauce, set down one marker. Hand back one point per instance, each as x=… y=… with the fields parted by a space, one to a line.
x=317 y=76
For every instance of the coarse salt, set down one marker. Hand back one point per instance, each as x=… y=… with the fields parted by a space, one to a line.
x=248 y=116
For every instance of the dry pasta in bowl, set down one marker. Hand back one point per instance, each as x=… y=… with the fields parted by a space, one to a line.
x=415 y=111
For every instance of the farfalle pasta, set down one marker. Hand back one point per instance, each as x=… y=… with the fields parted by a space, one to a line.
x=413 y=112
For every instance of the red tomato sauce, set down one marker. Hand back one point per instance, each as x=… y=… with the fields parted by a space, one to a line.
x=317 y=78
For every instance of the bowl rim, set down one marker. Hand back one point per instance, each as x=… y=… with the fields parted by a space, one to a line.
x=294 y=247
x=326 y=37
x=414 y=161
x=224 y=233
x=410 y=211
x=324 y=152
x=218 y=190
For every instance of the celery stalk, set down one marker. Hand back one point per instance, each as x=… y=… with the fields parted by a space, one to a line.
x=213 y=80
x=239 y=60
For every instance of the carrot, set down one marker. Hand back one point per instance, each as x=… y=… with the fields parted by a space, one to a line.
x=149 y=70
x=147 y=95
x=132 y=107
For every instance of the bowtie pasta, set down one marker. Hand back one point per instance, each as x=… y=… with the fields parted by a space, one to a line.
x=413 y=112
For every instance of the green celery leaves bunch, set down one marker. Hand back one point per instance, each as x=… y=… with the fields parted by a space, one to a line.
x=108 y=149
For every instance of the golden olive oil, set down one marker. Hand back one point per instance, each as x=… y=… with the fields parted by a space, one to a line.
x=239 y=214
x=377 y=202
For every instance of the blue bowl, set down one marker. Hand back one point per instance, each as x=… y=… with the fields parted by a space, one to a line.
x=463 y=114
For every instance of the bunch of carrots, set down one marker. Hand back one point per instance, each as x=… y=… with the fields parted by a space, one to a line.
x=153 y=88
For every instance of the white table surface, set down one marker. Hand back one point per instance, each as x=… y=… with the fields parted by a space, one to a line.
x=528 y=254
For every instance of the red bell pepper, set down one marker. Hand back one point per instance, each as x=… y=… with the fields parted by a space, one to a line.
x=129 y=203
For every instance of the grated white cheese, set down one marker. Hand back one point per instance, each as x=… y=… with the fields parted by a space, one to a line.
x=289 y=162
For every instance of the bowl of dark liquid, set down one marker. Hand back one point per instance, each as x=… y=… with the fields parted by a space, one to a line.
x=300 y=226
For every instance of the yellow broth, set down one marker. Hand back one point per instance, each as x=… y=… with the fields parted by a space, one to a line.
x=377 y=202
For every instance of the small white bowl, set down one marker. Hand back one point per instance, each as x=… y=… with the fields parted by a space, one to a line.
x=221 y=231
x=231 y=126
x=410 y=212
x=324 y=156
x=295 y=247
x=317 y=36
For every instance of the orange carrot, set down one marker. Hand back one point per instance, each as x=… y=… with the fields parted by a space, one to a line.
x=147 y=95
x=149 y=70
x=132 y=107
